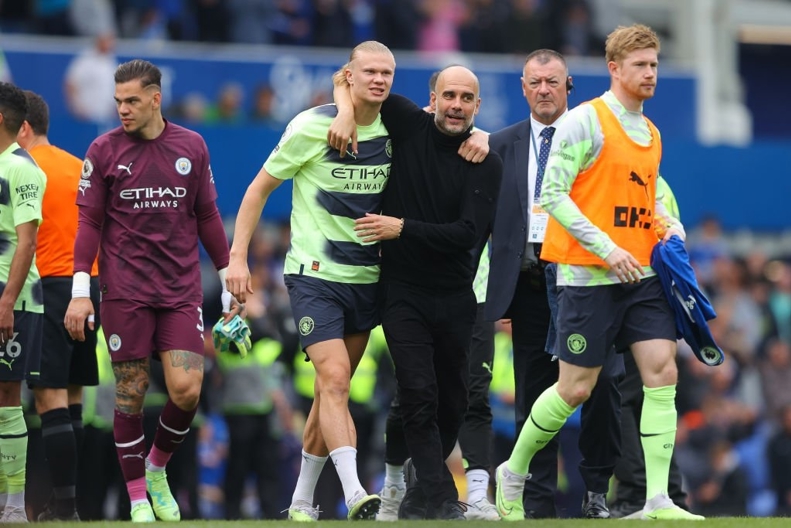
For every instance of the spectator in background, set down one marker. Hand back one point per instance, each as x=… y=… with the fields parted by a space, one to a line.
x=251 y=393
x=724 y=493
x=439 y=29
x=780 y=297
x=92 y=17
x=706 y=245
x=776 y=379
x=213 y=20
x=5 y=71
x=396 y=23
x=569 y=27
x=250 y=19
x=228 y=108
x=524 y=27
x=52 y=17
x=192 y=108
x=332 y=24
x=89 y=82
x=291 y=24
x=485 y=30
x=779 y=455
x=577 y=29
x=263 y=103
x=212 y=455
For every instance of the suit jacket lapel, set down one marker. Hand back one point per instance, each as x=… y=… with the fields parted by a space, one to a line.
x=522 y=155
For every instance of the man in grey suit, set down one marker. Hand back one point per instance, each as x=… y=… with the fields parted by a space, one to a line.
x=517 y=291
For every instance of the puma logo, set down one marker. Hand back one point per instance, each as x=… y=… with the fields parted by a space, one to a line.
x=634 y=177
x=135 y=455
x=127 y=168
x=487 y=366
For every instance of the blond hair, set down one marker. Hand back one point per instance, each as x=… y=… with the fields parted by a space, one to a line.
x=626 y=39
x=371 y=46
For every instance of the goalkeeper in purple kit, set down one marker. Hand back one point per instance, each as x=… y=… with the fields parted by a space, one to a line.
x=146 y=196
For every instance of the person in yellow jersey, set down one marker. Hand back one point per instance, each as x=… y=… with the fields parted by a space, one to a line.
x=250 y=394
x=599 y=191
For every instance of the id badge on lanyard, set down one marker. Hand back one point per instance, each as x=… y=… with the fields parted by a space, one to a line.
x=539 y=218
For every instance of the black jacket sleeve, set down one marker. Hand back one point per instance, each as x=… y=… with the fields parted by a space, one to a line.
x=477 y=211
x=401 y=116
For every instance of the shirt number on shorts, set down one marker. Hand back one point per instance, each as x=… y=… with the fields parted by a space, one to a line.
x=12 y=348
x=200 y=319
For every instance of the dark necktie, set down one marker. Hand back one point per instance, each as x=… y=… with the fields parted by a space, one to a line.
x=543 y=156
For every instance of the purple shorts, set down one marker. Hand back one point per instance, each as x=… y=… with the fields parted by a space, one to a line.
x=135 y=330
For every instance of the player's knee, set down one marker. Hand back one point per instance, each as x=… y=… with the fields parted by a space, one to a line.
x=333 y=382
x=185 y=393
x=576 y=394
x=47 y=399
x=664 y=375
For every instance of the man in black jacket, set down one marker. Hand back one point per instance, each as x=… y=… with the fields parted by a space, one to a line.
x=517 y=291
x=436 y=215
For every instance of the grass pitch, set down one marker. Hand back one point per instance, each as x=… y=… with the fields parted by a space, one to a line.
x=719 y=522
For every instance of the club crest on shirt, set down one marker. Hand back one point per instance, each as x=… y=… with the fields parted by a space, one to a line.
x=183 y=166
x=389 y=148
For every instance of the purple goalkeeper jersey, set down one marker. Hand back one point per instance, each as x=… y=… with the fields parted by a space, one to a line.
x=149 y=190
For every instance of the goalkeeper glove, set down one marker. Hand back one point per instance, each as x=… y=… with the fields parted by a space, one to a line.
x=233 y=336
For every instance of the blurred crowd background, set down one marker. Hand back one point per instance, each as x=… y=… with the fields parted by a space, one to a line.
x=487 y=26
x=734 y=436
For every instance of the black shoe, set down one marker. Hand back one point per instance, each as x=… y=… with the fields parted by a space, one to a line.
x=541 y=512
x=449 y=510
x=594 y=506
x=413 y=506
x=410 y=474
x=49 y=515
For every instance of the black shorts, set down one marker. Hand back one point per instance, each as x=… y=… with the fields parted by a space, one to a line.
x=65 y=361
x=21 y=356
x=325 y=310
x=591 y=319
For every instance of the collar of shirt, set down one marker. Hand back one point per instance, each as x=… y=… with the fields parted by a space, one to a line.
x=537 y=127
x=613 y=102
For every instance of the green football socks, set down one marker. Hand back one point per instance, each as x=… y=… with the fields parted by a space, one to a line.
x=658 y=436
x=13 y=446
x=547 y=416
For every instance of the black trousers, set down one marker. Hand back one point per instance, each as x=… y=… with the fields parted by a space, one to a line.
x=252 y=449
x=535 y=372
x=630 y=469
x=475 y=436
x=428 y=334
